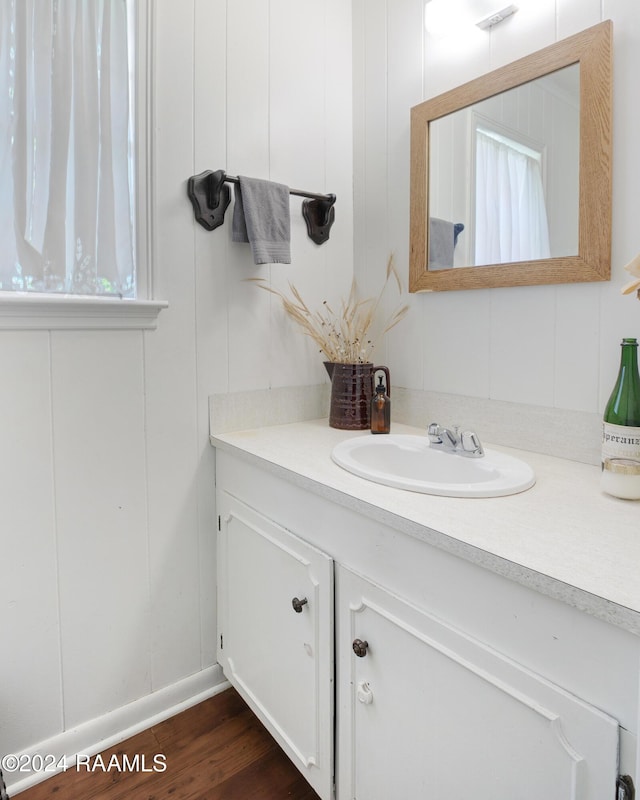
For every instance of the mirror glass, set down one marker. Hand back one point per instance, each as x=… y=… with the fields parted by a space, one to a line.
x=503 y=183
x=511 y=173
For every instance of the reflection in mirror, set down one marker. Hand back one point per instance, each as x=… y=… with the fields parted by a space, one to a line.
x=505 y=174
x=512 y=173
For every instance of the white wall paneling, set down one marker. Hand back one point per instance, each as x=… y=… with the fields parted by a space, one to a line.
x=297 y=158
x=98 y=444
x=388 y=56
x=461 y=365
x=247 y=143
x=171 y=367
x=556 y=347
x=211 y=309
x=576 y=341
x=405 y=86
x=574 y=16
x=291 y=123
x=532 y=28
x=30 y=670
x=108 y=520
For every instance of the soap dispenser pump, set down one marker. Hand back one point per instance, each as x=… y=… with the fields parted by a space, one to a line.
x=381 y=409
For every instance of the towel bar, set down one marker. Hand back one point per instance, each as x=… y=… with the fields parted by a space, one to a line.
x=210 y=197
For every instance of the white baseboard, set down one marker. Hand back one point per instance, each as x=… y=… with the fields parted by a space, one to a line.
x=99 y=734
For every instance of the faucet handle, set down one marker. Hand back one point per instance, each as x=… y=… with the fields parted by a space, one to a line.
x=445 y=436
x=471 y=444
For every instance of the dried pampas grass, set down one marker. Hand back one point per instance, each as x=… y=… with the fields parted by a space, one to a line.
x=343 y=337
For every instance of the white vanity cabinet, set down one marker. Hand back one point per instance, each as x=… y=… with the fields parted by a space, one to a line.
x=465 y=683
x=275 y=643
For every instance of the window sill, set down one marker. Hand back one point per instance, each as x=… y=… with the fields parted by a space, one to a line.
x=21 y=311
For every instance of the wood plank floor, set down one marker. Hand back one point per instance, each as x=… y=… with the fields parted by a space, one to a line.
x=217 y=750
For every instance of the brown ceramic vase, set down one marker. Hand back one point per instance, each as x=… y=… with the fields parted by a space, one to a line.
x=351 y=392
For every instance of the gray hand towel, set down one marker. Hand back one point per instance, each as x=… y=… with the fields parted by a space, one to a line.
x=261 y=217
x=441 y=243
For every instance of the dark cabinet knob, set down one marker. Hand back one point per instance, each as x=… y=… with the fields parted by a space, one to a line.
x=297 y=604
x=360 y=647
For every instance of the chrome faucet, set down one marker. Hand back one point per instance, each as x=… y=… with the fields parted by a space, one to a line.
x=466 y=443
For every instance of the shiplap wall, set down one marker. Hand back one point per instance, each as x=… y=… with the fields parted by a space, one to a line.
x=107 y=559
x=548 y=346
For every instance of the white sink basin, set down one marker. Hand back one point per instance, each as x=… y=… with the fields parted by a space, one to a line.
x=408 y=462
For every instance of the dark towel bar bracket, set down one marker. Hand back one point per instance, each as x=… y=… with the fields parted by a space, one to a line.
x=319 y=215
x=210 y=197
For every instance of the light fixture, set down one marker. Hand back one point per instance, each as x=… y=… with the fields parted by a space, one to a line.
x=496 y=17
x=454 y=17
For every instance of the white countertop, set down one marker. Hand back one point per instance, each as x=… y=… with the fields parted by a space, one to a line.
x=563 y=536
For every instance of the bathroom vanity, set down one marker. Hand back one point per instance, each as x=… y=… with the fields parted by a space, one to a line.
x=406 y=645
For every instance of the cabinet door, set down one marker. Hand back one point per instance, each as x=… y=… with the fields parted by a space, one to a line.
x=428 y=712
x=275 y=607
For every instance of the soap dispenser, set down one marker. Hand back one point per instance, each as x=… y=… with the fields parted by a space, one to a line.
x=381 y=409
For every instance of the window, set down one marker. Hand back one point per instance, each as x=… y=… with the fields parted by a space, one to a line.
x=67 y=146
x=510 y=211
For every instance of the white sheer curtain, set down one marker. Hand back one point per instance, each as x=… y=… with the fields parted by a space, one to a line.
x=65 y=147
x=511 y=216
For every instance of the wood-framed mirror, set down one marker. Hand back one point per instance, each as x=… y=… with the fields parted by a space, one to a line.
x=511 y=173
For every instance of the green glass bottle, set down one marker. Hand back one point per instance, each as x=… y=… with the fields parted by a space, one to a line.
x=621 y=422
